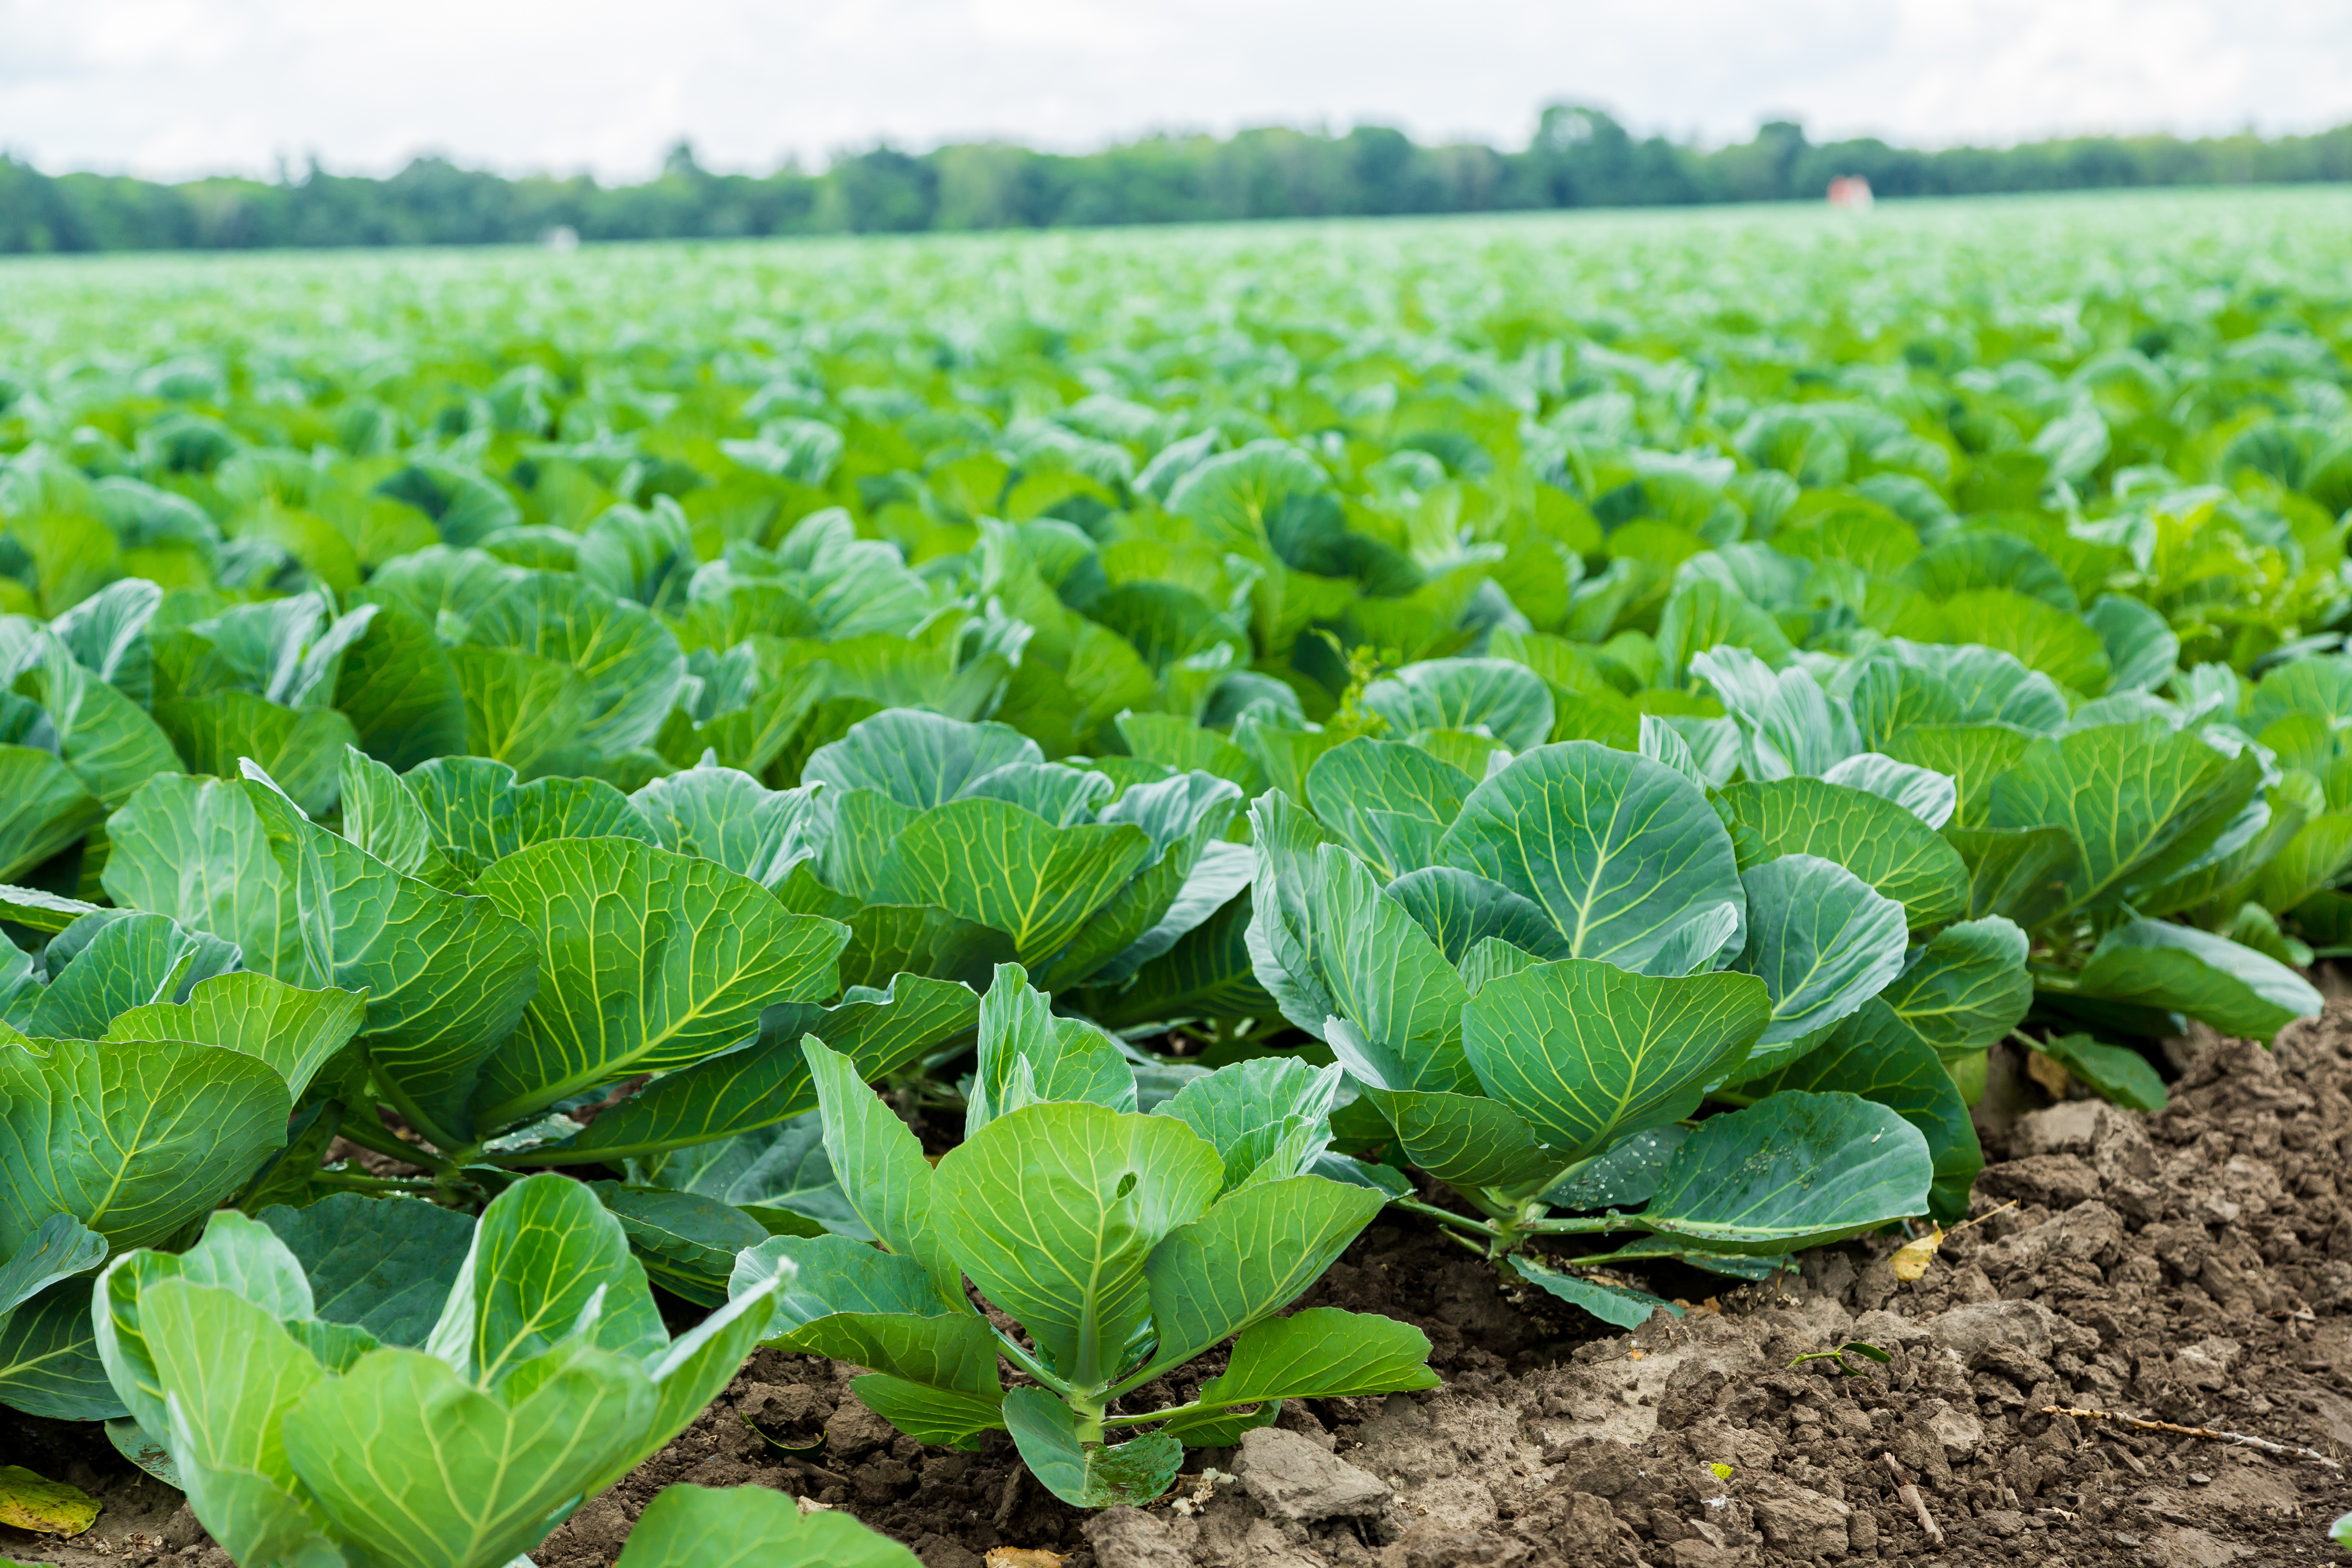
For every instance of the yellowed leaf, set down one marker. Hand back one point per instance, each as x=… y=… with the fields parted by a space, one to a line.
x=2047 y=1072
x=45 y=1507
x=1911 y=1258
x=1023 y=1557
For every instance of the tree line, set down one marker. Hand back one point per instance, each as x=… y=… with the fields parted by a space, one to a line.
x=1578 y=157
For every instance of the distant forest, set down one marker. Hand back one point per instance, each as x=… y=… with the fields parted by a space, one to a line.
x=1578 y=157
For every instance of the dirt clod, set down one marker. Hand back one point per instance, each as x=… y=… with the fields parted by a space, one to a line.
x=1293 y=1479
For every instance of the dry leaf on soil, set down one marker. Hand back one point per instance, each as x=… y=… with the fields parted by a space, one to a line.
x=45 y=1507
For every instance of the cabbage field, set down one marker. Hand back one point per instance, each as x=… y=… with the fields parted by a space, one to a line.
x=981 y=808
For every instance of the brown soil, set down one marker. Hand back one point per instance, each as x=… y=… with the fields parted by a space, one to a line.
x=2194 y=1267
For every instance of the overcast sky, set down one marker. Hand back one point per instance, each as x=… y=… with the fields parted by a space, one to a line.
x=173 y=88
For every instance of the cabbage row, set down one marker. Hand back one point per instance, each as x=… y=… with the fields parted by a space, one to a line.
x=1073 y=775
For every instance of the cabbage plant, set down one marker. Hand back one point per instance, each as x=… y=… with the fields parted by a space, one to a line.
x=948 y=848
x=525 y=947
x=2133 y=837
x=1124 y=1244
x=2145 y=843
x=304 y=1438
x=1537 y=981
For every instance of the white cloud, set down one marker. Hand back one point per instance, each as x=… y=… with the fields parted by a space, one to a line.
x=177 y=87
